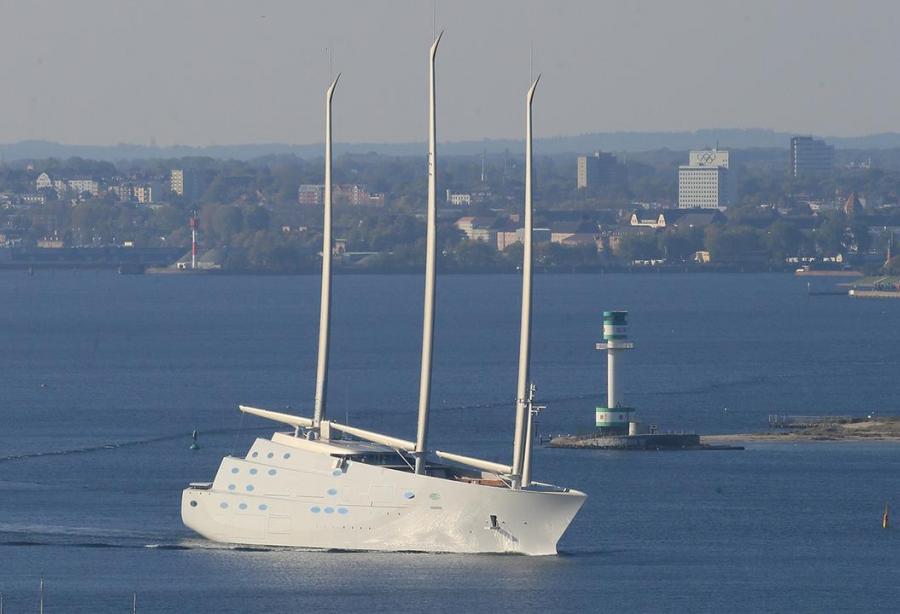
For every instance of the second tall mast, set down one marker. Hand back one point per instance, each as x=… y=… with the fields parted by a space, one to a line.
x=430 y=254
x=325 y=300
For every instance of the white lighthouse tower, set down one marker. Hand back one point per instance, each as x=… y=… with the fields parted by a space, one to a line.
x=615 y=417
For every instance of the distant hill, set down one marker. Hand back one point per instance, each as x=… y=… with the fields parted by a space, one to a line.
x=607 y=141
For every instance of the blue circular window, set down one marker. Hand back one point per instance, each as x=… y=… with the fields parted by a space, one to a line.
x=342 y=510
x=223 y=505
x=193 y=504
x=287 y=455
x=263 y=507
x=249 y=487
x=253 y=472
x=270 y=455
x=272 y=472
x=255 y=454
x=332 y=491
x=329 y=510
x=315 y=509
x=231 y=487
x=235 y=470
x=243 y=506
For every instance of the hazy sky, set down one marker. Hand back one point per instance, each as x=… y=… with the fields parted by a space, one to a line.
x=216 y=72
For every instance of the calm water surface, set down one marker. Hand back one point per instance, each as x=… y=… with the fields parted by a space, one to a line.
x=135 y=363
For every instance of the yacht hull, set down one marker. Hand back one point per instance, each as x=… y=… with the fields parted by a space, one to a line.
x=283 y=496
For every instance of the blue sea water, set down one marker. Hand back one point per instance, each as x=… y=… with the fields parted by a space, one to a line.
x=103 y=377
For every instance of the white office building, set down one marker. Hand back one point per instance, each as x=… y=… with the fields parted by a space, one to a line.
x=708 y=181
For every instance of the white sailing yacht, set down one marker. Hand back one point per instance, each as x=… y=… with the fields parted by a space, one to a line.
x=333 y=486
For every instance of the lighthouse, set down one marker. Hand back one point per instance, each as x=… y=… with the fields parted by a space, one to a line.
x=616 y=416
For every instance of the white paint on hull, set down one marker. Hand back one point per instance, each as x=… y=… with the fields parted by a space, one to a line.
x=282 y=495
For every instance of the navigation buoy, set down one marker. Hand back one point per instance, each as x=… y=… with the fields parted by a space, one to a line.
x=194 y=444
x=885 y=521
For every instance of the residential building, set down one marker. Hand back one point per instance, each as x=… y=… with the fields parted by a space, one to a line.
x=648 y=219
x=561 y=231
x=677 y=218
x=708 y=181
x=33 y=198
x=459 y=199
x=176 y=181
x=599 y=170
x=506 y=236
x=142 y=194
x=478 y=228
x=310 y=194
x=810 y=157
x=82 y=186
x=348 y=194
x=42 y=182
x=190 y=183
x=122 y=192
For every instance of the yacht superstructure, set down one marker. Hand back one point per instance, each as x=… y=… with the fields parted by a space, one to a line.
x=328 y=485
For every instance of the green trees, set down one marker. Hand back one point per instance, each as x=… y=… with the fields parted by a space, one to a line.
x=738 y=244
x=830 y=234
x=639 y=247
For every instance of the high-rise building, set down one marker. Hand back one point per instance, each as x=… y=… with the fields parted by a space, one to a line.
x=599 y=170
x=190 y=183
x=176 y=181
x=810 y=156
x=143 y=194
x=708 y=181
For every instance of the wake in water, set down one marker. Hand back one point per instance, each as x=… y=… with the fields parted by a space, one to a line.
x=121 y=444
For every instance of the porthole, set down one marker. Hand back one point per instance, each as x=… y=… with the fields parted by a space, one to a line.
x=287 y=455
x=231 y=487
x=249 y=487
x=253 y=472
x=193 y=504
x=332 y=491
x=235 y=470
x=270 y=455
x=342 y=510
x=263 y=507
x=329 y=510
x=242 y=506
x=272 y=472
x=315 y=509
x=255 y=454
x=223 y=505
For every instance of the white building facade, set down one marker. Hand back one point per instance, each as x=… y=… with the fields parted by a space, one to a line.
x=708 y=181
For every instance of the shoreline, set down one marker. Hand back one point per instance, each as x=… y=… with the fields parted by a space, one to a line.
x=793 y=438
x=874 y=429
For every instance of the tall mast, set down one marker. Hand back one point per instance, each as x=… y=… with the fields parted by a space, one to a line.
x=525 y=324
x=430 y=253
x=325 y=300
